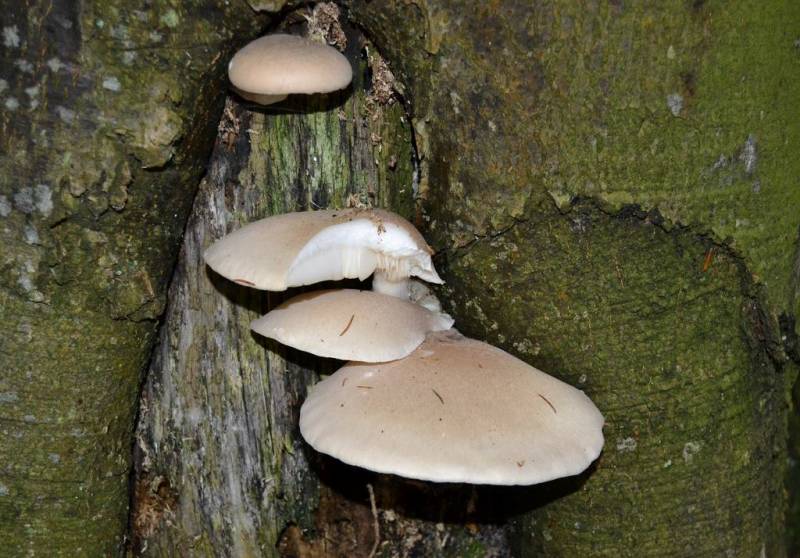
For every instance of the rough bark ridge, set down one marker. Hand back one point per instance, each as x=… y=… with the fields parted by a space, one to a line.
x=542 y=129
x=108 y=110
x=222 y=467
x=219 y=467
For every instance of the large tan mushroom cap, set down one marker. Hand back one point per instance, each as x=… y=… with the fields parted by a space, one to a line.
x=307 y=247
x=278 y=65
x=455 y=410
x=351 y=325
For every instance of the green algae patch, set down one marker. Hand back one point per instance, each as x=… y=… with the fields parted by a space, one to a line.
x=682 y=108
x=66 y=432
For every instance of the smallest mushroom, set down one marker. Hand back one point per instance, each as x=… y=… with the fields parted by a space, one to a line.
x=272 y=67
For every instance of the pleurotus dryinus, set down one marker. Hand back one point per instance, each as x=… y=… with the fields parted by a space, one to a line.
x=351 y=325
x=303 y=248
x=272 y=67
x=455 y=410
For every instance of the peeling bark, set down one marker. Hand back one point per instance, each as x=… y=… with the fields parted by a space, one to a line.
x=218 y=424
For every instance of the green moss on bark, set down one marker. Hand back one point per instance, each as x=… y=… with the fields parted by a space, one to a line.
x=681 y=107
x=109 y=109
x=669 y=344
x=524 y=110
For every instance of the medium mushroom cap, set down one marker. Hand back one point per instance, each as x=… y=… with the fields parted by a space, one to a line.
x=455 y=410
x=302 y=248
x=273 y=66
x=351 y=325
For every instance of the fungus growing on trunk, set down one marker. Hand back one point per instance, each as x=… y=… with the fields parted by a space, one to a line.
x=454 y=410
x=302 y=248
x=449 y=410
x=272 y=67
x=351 y=325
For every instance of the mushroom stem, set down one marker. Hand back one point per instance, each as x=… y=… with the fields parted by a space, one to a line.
x=382 y=284
x=419 y=293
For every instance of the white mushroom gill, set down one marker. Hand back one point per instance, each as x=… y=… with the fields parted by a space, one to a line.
x=259 y=98
x=356 y=249
x=419 y=293
x=400 y=288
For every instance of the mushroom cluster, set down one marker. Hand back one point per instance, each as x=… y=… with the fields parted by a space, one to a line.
x=417 y=398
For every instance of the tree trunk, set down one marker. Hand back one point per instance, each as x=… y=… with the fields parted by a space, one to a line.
x=611 y=190
x=108 y=112
x=222 y=468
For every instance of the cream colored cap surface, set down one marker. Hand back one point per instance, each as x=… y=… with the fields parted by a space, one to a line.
x=285 y=64
x=307 y=247
x=351 y=325
x=455 y=410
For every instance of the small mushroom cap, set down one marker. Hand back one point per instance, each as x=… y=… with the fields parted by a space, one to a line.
x=307 y=247
x=455 y=410
x=286 y=64
x=351 y=325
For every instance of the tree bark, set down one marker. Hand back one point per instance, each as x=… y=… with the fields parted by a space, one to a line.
x=108 y=111
x=611 y=191
x=222 y=468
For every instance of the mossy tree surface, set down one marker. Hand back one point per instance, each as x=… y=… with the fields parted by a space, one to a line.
x=673 y=355
x=542 y=129
x=107 y=113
